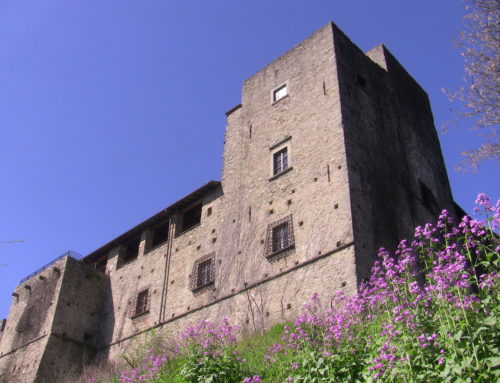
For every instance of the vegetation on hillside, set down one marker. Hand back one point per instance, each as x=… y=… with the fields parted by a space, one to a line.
x=429 y=313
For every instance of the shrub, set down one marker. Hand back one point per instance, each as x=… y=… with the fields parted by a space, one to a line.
x=209 y=354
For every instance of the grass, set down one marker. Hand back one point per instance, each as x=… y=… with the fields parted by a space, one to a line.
x=254 y=348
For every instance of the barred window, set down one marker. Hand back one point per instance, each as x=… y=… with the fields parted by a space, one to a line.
x=203 y=272
x=280 y=237
x=141 y=303
x=280 y=161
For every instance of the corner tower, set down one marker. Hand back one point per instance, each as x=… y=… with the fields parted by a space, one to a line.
x=342 y=146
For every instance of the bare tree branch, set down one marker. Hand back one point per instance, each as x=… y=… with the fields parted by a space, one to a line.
x=479 y=99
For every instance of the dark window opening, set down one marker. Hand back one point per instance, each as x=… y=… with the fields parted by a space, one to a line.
x=191 y=217
x=203 y=272
x=280 y=161
x=142 y=303
x=279 y=237
x=159 y=235
x=2 y=326
x=129 y=251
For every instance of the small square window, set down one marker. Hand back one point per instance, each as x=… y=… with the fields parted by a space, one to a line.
x=280 y=237
x=141 y=303
x=191 y=218
x=280 y=161
x=129 y=251
x=159 y=235
x=280 y=93
x=203 y=272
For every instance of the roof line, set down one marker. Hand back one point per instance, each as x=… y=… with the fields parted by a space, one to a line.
x=165 y=213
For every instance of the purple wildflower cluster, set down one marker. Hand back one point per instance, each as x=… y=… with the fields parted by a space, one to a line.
x=208 y=339
x=416 y=307
x=209 y=354
x=253 y=379
x=148 y=370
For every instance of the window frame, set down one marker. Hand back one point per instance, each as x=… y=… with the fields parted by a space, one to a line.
x=275 y=94
x=181 y=229
x=282 y=146
x=280 y=161
x=151 y=245
x=280 y=237
x=204 y=272
x=199 y=280
x=273 y=231
x=138 y=308
x=127 y=252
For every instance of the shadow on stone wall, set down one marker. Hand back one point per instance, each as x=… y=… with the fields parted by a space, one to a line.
x=40 y=297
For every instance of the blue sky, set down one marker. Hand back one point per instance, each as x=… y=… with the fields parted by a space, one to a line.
x=110 y=110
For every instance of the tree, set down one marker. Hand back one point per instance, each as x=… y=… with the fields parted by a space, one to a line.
x=480 y=46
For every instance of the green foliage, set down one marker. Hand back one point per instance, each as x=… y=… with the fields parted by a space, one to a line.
x=253 y=348
x=225 y=367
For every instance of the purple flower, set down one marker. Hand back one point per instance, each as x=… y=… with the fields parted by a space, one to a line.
x=254 y=379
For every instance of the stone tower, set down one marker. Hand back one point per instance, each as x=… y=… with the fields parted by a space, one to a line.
x=331 y=154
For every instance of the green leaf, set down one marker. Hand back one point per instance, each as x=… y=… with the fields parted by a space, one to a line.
x=490 y=321
x=493 y=361
x=445 y=372
x=458 y=335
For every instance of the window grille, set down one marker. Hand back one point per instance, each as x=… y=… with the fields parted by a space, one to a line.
x=279 y=237
x=141 y=305
x=280 y=161
x=203 y=272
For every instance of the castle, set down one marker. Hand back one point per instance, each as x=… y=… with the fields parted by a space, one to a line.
x=331 y=154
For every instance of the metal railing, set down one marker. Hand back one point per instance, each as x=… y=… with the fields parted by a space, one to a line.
x=68 y=253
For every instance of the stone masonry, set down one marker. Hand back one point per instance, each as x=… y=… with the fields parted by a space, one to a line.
x=331 y=154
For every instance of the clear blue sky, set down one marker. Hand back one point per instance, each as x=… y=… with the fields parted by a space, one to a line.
x=112 y=110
